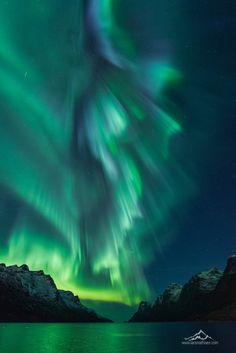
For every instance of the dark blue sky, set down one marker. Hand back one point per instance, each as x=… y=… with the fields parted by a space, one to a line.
x=201 y=35
x=197 y=39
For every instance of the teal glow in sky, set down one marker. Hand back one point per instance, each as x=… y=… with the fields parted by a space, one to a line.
x=83 y=142
x=89 y=174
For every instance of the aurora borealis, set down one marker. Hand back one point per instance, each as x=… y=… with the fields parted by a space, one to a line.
x=109 y=131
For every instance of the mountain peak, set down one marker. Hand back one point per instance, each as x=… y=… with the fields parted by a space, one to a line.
x=208 y=295
x=32 y=296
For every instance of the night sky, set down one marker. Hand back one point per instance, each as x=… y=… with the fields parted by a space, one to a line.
x=118 y=143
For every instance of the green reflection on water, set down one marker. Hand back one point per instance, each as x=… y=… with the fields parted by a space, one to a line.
x=112 y=338
x=81 y=338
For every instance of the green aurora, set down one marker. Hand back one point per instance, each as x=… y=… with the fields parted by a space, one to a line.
x=87 y=175
x=83 y=216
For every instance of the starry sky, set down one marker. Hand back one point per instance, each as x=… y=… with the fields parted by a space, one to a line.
x=117 y=158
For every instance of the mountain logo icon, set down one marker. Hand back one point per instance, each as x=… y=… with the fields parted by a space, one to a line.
x=200 y=338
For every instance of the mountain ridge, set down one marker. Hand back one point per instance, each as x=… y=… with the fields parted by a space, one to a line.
x=207 y=296
x=32 y=296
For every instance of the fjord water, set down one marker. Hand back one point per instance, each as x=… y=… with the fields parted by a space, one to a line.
x=114 y=338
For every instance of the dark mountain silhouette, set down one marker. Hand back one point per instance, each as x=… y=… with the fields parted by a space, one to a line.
x=209 y=295
x=32 y=296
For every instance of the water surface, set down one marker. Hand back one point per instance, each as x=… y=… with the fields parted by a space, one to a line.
x=113 y=338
